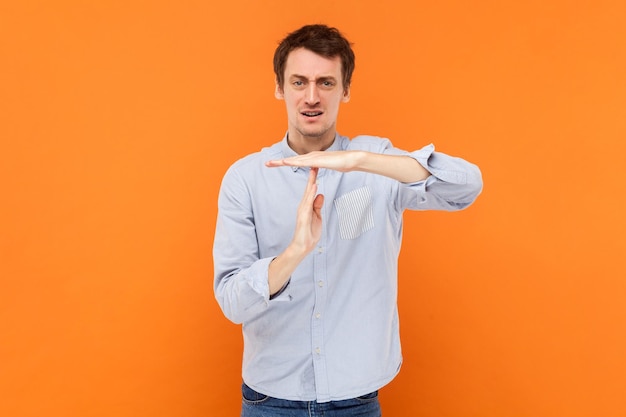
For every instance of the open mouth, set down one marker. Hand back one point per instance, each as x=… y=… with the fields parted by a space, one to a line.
x=311 y=113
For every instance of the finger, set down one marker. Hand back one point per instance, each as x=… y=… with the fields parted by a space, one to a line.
x=312 y=183
x=293 y=161
x=310 y=190
x=318 y=203
x=275 y=163
x=313 y=176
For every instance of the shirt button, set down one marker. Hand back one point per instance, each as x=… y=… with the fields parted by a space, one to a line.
x=320 y=249
x=318 y=350
x=320 y=283
x=318 y=315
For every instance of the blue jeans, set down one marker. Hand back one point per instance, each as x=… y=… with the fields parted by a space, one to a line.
x=255 y=404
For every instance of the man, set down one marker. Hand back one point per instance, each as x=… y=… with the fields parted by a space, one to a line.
x=307 y=242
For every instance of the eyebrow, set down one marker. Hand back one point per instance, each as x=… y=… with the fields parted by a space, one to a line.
x=322 y=78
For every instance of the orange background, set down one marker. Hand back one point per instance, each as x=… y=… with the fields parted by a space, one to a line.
x=119 y=118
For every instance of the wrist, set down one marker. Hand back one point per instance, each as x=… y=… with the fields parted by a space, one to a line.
x=296 y=251
x=359 y=161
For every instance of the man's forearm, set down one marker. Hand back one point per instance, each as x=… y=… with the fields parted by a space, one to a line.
x=282 y=266
x=399 y=167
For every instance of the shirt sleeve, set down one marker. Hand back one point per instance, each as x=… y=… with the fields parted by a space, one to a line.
x=240 y=275
x=454 y=183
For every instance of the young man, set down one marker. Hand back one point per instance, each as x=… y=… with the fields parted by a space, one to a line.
x=307 y=242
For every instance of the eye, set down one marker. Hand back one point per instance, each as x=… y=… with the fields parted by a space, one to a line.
x=328 y=84
x=298 y=83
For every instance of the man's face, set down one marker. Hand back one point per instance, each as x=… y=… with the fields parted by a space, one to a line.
x=313 y=90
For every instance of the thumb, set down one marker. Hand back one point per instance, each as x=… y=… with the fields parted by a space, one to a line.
x=318 y=203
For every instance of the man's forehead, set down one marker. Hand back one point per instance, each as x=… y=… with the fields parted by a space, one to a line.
x=303 y=62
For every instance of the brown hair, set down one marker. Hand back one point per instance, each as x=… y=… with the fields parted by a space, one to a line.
x=322 y=40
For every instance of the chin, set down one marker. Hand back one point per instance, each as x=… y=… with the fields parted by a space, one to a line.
x=314 y=132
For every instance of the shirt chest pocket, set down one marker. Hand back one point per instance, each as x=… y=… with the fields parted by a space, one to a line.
x=355 y=213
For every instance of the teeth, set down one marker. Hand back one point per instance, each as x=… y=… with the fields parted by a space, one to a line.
x=311 y=113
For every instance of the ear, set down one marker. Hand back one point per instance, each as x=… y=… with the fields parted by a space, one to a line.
x=278 y=92
x=346 y=95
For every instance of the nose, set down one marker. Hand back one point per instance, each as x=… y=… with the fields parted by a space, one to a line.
x=312 y=96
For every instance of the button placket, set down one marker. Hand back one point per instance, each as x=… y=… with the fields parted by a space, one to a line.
x=320 y=292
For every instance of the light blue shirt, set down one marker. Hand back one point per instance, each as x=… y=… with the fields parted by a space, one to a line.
x=332 y=333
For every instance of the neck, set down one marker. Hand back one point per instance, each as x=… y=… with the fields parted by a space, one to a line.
x=304 y=144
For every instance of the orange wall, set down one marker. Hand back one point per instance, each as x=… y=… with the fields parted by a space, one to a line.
x=118 y=119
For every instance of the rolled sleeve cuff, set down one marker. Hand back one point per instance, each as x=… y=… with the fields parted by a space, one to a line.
x=440 y=166
x=257 y=278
